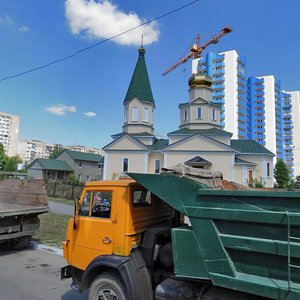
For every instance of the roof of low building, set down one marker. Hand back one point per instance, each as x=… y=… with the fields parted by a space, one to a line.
x=159 y=145
x=140 y=86
x=250 y=147
x=52 y=164
x=77 y=155
x=210 y=131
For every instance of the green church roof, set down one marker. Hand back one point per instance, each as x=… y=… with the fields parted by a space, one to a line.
x=159 y=144
x=139 y=86
x=209 y=131
x=250 y=146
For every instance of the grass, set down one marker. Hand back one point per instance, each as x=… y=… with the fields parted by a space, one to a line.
x=53 y=229
x=61 y=200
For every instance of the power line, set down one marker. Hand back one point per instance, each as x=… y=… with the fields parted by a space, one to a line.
x=97 y=44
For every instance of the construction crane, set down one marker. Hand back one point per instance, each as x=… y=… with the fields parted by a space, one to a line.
x=197 y=49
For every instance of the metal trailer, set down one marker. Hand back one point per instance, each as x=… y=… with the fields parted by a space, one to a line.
x=21 y=201
x=247 y=241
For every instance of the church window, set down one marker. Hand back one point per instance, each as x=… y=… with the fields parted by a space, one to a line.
x=185 y=115
x=126 y=115
x=199 y=113
x=135 y=114
x=157 y=166
x=125 y=165
x=214 y=115
x=146 y=114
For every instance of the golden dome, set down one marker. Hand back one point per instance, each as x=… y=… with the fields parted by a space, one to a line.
x=200 y=79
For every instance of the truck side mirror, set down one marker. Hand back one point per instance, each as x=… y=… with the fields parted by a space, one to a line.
x=76 y=205
x=76 y=211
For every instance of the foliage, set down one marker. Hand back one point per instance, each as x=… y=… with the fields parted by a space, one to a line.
x=3 y=157
x=12 y=163
x=8 y=163
x=294 y=184
x=257 y=183
x=57 y=150
x=73 y=179
x=282 y=174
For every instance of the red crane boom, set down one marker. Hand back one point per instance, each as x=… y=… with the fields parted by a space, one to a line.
x=197 y=49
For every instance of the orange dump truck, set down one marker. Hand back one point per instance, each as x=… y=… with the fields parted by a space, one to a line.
x=168 y=237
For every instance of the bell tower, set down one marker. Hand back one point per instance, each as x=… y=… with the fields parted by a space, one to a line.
x=139 y=102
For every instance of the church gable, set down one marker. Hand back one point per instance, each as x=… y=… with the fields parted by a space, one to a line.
x=199 y=142
x=199 y=100
x=125 y=142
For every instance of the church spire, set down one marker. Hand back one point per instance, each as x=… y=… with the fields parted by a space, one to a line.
x=139 y=103
x=139 y=86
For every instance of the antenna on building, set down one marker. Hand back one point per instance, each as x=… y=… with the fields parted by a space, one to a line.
x=142 y=41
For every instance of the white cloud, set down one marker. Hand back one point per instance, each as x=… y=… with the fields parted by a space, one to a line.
x=104 y=19
x=90 y=114
x=60 y=109
x=23 y=29
x=6 y=20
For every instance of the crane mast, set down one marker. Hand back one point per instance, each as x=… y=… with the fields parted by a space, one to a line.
x=197 y=49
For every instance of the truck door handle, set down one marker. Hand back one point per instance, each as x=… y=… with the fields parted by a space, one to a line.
x=106 y=240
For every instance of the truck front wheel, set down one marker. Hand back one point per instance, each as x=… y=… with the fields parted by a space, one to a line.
x=107 y=286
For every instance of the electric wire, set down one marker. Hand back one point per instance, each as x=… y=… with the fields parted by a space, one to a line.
x=98 y=43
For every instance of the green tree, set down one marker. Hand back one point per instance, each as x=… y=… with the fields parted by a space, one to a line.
x=3 y=157
x=11 y=164
x=282 y=174
x=58 y=149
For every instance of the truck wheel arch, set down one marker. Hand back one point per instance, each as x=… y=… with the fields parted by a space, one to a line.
x=132 y=271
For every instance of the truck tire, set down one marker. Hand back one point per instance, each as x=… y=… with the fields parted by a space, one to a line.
x=108 y=285
x=20 y=243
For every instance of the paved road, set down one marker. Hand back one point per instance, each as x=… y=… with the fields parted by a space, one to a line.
x=60 y=208
x=35 y=275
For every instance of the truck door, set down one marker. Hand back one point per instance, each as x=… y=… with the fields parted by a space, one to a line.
x=93 y=235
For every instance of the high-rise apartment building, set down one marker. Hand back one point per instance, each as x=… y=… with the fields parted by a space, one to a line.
x=255 y=107
x=291 y=109
x=9 y=132
x=29 y=150
x=229 y=90
x=266 y=113
x=287 y=130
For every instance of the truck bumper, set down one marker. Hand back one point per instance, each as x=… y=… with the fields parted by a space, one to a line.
x=65 y=272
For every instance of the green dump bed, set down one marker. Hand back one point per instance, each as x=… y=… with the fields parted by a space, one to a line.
x=241 y=240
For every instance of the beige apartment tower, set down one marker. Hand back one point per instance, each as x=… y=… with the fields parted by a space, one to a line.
x=9 y=133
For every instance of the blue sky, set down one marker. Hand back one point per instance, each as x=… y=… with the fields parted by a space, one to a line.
x=79 y=101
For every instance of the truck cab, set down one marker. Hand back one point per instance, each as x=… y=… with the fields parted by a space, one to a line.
x=116 y=226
